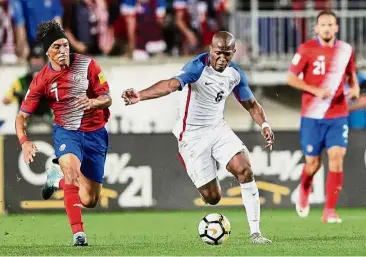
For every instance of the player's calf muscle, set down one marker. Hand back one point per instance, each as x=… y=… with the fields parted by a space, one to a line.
x=89 y=201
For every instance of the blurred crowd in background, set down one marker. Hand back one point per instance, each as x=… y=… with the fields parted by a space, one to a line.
x=138 y=29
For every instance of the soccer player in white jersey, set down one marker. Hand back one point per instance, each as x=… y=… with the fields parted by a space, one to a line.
x=204 y=137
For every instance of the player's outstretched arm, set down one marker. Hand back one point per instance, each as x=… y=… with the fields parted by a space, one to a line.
x=258 y=115
x=159 y=89
x=28 y=147
x=101 y=102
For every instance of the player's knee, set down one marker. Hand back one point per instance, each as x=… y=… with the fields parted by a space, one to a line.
x=245 y=174
x=336 y=156
x=312 y=167
x=71 y=176
x=213 y=199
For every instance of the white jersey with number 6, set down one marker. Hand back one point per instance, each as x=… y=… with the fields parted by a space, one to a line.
x=204 y=94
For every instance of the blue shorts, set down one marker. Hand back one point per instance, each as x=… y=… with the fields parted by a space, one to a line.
x=317 y=134
x=90 y=147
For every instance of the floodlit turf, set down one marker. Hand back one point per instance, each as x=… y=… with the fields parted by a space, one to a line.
x=175 y=233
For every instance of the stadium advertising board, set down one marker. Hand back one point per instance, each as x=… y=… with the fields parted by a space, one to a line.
x=144 y=171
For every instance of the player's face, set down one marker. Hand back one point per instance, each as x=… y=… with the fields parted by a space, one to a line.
x=220 y=56
x=59 y=52
x=327 y=27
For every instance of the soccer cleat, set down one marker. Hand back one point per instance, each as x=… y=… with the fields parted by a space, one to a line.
x=257 y=238
x=302 y=205
x=53 y=178
x=331 y=216
x=80 y=239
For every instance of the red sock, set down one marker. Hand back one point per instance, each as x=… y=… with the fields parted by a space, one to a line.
x=333 y=188
x=306 y=181
x=61 y=184
x=71 y=198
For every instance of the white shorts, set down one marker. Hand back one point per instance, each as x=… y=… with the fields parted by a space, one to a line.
x=201 y=151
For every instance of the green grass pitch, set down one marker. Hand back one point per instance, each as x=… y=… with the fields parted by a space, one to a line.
x=175 y=233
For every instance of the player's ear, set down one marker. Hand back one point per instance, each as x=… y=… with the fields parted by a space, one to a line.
x=337 y=28
x=316 y=29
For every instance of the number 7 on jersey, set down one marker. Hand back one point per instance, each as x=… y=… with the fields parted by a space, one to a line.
x=54 y=89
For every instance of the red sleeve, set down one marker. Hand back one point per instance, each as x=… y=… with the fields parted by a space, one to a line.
x=35 y=92
x=351 y=67
x=299 y=61
x=97 y=80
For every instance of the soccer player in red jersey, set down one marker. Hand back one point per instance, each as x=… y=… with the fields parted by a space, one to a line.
x=78 y=94
x=326 y=64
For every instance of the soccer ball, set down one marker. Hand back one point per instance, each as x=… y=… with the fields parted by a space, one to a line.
x=214 y=229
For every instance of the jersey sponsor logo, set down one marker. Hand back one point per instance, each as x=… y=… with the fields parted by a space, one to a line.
x=296 y=59
x=101 y=77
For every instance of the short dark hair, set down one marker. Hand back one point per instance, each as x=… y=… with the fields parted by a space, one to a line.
x=326 y=12
x=45 y=28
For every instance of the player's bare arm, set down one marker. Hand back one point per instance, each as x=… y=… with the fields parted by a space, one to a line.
x=354 y=89
x=28 y=147
x=159 y=89
x=259 y=117
x=294 y=81
x=101 y=102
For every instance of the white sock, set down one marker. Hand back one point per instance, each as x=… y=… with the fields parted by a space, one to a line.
x=250 y=197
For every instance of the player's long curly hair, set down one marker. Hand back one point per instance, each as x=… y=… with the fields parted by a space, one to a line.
x=45 y=28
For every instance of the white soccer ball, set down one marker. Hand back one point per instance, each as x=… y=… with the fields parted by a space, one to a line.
x=214 y=229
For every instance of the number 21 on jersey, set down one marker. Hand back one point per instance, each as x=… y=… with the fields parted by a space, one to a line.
x=54 y=89
x=319 y=66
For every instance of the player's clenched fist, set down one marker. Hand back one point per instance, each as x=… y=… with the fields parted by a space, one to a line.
x=29 y=151
x=353 y=93
x=130 y=96
x=322 y=93
x=268 y=136
x=84 y=103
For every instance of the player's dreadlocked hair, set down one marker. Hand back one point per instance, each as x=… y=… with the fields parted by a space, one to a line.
x=48 y=32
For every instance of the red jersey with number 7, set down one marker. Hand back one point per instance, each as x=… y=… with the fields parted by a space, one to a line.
x=63 y=88
x=324 y=67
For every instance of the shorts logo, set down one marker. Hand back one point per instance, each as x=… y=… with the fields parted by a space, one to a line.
x=62 y=147
x=309 y=148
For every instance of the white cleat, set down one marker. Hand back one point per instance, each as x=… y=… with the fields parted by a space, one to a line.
x=330 y=216
x=257 y=238
x=303 y=212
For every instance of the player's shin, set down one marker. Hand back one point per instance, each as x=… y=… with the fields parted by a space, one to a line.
x=333 y=188
x=73 y=208
x=251 y=201
x=305 y=187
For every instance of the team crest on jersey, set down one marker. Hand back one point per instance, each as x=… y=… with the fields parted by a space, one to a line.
x=62 y=147
x=77 y=77
x=101 y=78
